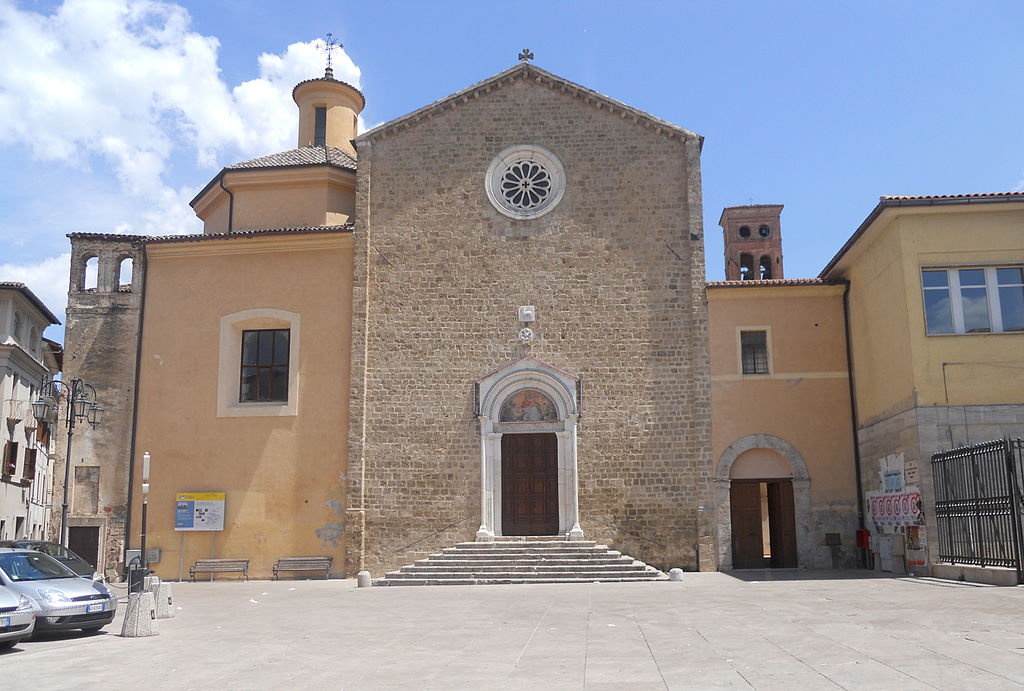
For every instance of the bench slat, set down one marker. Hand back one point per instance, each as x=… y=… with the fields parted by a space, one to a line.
x=212 y=566
x=304 y=564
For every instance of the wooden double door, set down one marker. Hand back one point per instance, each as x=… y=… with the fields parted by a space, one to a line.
x=529 y=484
x=763 y=509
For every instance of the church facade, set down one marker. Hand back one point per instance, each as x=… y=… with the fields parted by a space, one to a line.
x=493 y=324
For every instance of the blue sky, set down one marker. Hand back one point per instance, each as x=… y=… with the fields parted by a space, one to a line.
x=114 y=113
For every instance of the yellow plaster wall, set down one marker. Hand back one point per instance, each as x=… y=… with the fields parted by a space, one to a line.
x=284 y=476
x=896 y=363
x=962 y=369
x=879 y=328
x=279 y=198
x=805 y=399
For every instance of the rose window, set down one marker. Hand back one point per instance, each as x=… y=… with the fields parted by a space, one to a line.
x=525 y=181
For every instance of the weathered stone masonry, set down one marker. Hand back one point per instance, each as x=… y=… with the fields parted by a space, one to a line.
x=616 y=272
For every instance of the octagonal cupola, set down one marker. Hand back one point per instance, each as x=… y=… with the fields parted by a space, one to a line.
x=328 y=112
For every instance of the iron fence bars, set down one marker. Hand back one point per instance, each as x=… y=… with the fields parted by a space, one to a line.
x=978 y=503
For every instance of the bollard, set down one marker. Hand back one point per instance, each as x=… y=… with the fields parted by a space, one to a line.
x=140 y=616
x=163 y=598
x=363 y=579
x=675 y=575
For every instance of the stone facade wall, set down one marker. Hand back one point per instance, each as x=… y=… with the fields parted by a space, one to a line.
x=616 y=273
x=921 y=432
x=100 y=342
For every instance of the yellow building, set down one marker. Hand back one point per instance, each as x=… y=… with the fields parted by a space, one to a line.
x=936 y=308
x=782 y=432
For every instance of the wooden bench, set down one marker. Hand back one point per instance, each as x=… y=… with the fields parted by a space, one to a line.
x=303 y=564
x=212 y=566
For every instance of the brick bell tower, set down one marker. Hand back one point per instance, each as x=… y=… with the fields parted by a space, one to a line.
x=752 y=236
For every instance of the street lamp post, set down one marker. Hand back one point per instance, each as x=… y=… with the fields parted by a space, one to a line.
x=81 y=405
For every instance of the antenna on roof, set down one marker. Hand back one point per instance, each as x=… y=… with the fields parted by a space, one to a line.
x=329 y=46
x=526 y=55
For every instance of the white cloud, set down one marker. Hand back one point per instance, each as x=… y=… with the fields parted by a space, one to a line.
x=1019 y=187
x=47 y=278
x=126 y=84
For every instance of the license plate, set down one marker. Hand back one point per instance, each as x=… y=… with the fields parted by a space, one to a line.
x=5 y=622
x=94 y=608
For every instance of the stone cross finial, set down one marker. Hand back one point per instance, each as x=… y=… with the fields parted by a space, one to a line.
x=330 y=45
x=526 y=55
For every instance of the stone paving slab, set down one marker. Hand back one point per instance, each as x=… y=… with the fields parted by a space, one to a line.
x=786 y=630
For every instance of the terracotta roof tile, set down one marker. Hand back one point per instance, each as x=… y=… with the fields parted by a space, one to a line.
x=303 y=156
x=31 y=297
x=774 y=282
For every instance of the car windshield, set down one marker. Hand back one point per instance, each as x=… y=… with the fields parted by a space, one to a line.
x=32 y=566
x=54 y=549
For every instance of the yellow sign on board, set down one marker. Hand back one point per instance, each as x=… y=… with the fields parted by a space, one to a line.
x=200 y=496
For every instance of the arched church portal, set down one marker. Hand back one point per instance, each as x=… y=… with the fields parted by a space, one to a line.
x=763 y=491
x=528 y=411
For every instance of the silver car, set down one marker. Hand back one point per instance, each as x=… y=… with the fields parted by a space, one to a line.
x=61 y=599
x=17 y=617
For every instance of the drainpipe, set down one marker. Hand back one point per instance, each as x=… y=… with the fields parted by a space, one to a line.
x=853 y=404
x=231 y=201
x=135 y=410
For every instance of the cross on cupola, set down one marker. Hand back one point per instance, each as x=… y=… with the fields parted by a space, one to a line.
x=526 y=55
x=329 y=46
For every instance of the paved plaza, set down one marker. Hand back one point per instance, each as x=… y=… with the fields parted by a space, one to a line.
x=797 y=630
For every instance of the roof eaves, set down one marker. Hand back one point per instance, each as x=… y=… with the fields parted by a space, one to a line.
x=524 y=70
x=242 y=234
x=896 y=201
x=31 y=297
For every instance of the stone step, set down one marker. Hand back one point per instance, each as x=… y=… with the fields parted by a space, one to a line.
x=533 y=544
x=499 y=581
x=525 y=551
x=524 y=568
x=531 y=575
x=481 y=561
x=530 y=559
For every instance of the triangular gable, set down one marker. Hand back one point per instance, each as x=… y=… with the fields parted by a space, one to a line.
x=528 y=71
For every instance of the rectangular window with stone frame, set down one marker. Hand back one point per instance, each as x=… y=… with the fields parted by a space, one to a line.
x=264 y=375
x=754 y=352
x=10 y=458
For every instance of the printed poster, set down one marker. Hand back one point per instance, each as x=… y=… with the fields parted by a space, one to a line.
x=196 y=511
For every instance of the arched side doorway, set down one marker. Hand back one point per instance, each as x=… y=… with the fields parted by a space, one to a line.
x=528 y=412
x=763 y=492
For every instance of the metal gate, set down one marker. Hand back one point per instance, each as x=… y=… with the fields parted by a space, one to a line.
x=978 y=504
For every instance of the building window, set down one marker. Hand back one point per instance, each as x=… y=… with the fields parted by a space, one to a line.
x=525 y=181
x=264 y=365
x=973 y=300
x=754 y=352
x=10 y=458
x=320 y=127
x=28 y=471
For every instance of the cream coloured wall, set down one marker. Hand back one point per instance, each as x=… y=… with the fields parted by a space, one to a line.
x=279 y=198
x=804 y=400
x=880 y=332
x=962 y=369
x=284 y=475
x=897 y=364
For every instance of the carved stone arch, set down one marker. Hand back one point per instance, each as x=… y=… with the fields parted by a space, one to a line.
x=562 y=389
x=801 y=494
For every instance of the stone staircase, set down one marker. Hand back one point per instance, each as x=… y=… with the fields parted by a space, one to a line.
x=543 y=559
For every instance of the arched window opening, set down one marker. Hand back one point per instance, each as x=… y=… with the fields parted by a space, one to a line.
x=17 y=326
x=92 y=272
x=766 y=268
x=124 y=272
x=747 y=268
